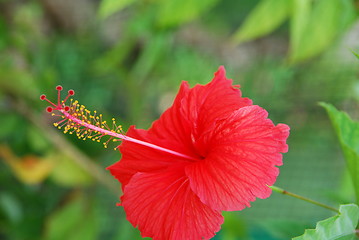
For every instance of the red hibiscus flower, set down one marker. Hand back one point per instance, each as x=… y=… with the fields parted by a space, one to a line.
x=227 y=153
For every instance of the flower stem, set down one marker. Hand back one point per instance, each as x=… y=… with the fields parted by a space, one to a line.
x=282 y=191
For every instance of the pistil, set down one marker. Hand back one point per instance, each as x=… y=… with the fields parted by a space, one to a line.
x=77 y=119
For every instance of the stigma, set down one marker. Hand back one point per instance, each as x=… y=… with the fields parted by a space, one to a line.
x=76 y=119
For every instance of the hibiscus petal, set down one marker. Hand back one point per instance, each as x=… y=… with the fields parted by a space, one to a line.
x=174 y=126
x=163 y=207
x=138 y=158
x=242 y=152
x=214 y=101
x=196 y=110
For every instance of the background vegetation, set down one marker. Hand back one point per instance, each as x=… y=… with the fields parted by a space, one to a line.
x=126 y=59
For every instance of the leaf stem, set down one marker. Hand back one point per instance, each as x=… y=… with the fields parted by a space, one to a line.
x=282 y=191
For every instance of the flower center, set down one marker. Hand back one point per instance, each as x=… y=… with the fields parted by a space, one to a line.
x=75 y=118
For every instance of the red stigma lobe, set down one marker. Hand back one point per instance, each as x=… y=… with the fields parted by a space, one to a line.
x=60 y=104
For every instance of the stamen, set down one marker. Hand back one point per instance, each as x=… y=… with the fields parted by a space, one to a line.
x=76 y=119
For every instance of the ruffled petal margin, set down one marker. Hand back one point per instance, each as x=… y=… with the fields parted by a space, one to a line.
x=163 y=207
x=243 y=152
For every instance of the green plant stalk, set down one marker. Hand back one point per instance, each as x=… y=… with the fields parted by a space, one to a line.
x=282 y=191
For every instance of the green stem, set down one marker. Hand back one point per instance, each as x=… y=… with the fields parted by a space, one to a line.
x=282 y=191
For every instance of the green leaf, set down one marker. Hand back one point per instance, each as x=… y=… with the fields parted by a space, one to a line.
x=76 y=220
x=233 y=227
x=341 y=226
x=36 y=140
x=315 y=25
x=347 y=131
x=356 y=54
x=265 y=18
x=299 y=21
x=9 y=123
x=150 y=56
x=127 y=231
x=11 y=207
x=176 y=12
x=68 y=173
x=109 y=7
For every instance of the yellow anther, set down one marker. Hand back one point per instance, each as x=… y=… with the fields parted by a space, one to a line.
x=81 y=118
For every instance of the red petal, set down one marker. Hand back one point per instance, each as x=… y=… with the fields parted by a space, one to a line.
x=164 y=207
x=195 y=111
x=207 y=104
x=242 y=152
x=175 y=128
x=138 y=158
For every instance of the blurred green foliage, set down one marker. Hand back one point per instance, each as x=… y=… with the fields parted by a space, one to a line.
x=314 y=24
x=126 y=59
x=265 y=18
